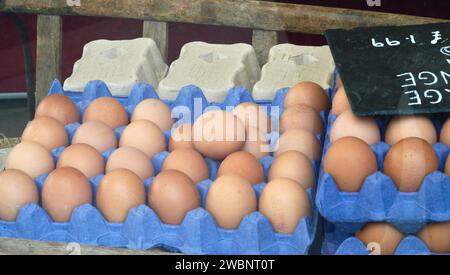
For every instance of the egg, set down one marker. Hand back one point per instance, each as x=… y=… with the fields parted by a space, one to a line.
x=119 y=191
x=382 y=237
x=64 y=190
x=350 y=161
x=132 y=159
x=84 y=158
x=436 y=237
x=308 y=93
x=30 y=157
x=295 y=166
x=217 y=134
x=301 y=117
x=145 y=136
x=253 y=115
x=97 y=134
x=172 y=195
x=106 y=110
x=17 y=189
x=299 y=140
x=348 y=124
x=340 y=102
x=408 y=162
x=46 y=131
x=284 y=203
x=189 y=162
x=58 y=107
x=256 y=143
x=445 y=133
x=181 y=137
x=230 y=199
x=155 y=111
x=410 y=126
x=242 y=164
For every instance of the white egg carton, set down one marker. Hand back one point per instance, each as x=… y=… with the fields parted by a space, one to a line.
x=290 y=64
x=215 y=68
x=120 y=64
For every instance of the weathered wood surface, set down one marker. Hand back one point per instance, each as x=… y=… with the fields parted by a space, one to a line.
x=158 y=31
x=253 y=14
x=263 y=41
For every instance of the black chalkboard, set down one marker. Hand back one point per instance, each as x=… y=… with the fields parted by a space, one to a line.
x=394 y=70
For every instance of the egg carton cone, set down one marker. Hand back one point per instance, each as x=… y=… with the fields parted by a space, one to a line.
x=290 y=64
x=120 y=64
x=215 y=68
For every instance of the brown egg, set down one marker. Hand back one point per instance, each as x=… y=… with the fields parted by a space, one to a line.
x=284 y=203
x=410 y=126
x=242 y=164
x=436 y=237
x=408 y=162
x=218 y=134
x=340 y=102
x=301 y=117
x=172 y=195
x=145 y=136
x=120 y=191
x=106 y=110
x=350 y=161
x=181 y=137
x=295 y=166
x=84 y=158
x=155 y=111
x=229 y=200
x=308 y=93
x=64 y=190
x=58 y=107
x=17 y=189
x=189 y=162
x=349 y=125
x=445 y=133
x=256 y=143
x=301 y=141
x=382 y=237
x=132 y=159
x=46 y=131
x=253 y=115
x=97 y=134
x=30 y=157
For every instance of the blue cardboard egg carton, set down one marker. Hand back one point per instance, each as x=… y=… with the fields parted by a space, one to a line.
x=198 y=233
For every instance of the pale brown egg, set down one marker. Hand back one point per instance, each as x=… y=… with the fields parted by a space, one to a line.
x=284 y=203
x=155 y=111
x=308 y=93
x=410 y=126
x=145 y=136
x=132 y=159
x=181 y=137
x=58 y=107
x=120 y=191
x=295 y=166
x=301 y=117
x=106 y=110
x=84 y=158
x=299 y=140
x=46 y=131
x=340 y=102
x=189 y=162
x=17 y=189
x=64 y=190
x=350 y=125
x=408 y=162
x=242 y=164
x=436 y=237
x=97 y=134
x=350 y=161
x=380 y=237
x=447 y=166
x=230 y=199
x=256 y=143
x=253 y=115
x=172 y=195
x=30 y=157
x=217 y=134
x=445 y=133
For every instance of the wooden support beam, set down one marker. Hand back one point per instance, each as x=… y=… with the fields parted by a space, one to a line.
x=158 y=31
x=262 y=41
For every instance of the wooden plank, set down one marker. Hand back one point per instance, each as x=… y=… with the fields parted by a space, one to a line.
x=48 y=53
x=252 y=14
x=158 y=31
x=262 y=41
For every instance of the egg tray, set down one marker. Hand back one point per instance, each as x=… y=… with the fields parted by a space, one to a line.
x=198 y=234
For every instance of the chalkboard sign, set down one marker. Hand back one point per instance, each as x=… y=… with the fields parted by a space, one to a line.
x=394 y=70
